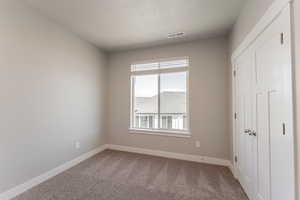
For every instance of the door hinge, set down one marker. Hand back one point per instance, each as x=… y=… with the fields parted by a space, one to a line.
x=235 y=158
x=235 y=115
x=282 y=38
x=283 y=128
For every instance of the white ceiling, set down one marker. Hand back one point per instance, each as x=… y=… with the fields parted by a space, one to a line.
x=126 y=24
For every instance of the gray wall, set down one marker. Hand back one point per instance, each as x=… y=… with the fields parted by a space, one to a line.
x=209 y=98
x=52 y=93
x=249 y=17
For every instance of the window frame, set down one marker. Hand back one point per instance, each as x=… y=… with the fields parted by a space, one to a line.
x=159 y=131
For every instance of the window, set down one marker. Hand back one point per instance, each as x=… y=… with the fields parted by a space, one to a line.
x=159 y=96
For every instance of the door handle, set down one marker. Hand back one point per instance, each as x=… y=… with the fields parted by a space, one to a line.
x=252 y=133
x=247 y=131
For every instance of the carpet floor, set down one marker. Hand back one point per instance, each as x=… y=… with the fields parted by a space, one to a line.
x=115 y=175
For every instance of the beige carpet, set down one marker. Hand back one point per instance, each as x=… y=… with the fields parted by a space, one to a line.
x=114 y=175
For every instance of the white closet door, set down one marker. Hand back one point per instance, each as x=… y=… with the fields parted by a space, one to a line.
x=246 y=150
x=274 y=112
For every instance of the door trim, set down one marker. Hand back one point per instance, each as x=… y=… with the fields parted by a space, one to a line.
x=273 y=11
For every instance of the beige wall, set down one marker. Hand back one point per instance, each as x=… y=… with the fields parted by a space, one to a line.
x=249 y=17
x=52 y=93
x=209 y=98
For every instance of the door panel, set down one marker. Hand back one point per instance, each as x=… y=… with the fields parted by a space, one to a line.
x=244 y=77
x=262 y=190
x=274 y=113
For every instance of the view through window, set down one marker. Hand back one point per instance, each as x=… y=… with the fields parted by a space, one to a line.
x=159 y=95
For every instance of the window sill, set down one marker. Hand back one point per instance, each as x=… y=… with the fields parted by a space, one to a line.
x=181 y=134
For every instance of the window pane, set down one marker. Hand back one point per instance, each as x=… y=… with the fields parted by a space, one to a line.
x=151 y=122
x=164 y=122
x=169 y=122
x=145 y=109
x=173 y=100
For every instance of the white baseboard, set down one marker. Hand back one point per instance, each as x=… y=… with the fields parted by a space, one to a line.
x=165 y=154
x=39 y=179
x=231 y=167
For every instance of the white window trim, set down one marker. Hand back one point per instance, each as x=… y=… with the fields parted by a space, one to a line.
x=160 y=131
x=160 y=60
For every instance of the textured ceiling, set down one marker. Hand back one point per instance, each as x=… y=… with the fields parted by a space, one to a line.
x=126 y=24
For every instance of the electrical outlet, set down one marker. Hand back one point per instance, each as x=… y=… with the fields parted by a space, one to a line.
x=77 y=145
x=197 y=144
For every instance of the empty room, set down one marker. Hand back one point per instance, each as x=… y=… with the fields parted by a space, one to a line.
x=149 y=100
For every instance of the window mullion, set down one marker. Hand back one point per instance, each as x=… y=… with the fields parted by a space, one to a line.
x=133 y=121
x=158 y=101
x=158 y=96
